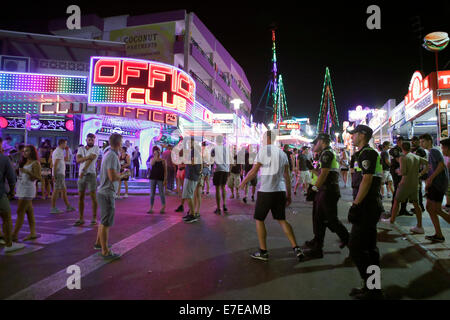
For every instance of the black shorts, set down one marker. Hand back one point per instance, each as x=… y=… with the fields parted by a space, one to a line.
x=270 y=201
x=254 y=182
x=220 y=178
x=434 y=195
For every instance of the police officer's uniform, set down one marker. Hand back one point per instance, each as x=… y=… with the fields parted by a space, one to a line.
x=325 y=210
x=365 y=216
x=356 y=176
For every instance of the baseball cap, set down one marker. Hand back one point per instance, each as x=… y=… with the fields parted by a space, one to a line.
x=362 y=129
x=322 y=136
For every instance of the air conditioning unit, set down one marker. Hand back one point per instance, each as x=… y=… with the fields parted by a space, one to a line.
x=14 y=64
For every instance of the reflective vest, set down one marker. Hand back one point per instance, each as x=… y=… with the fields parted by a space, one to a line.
x=378 y=167
x=334 y=162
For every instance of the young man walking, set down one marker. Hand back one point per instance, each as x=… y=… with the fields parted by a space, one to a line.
x=59 y=176
x=222 y=161
x=274 y=193
x=435 y=186
x=109 y=181
x=87 y=156
x=408 y=188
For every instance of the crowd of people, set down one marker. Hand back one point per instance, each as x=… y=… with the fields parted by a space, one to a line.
x=186 y=169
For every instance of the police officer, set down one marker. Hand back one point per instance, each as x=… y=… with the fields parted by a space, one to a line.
x=325 y=194
x=365 y=211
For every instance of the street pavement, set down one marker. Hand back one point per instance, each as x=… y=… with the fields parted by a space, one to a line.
x=165 y=258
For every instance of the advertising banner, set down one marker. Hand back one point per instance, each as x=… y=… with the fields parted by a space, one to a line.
x=152 y=41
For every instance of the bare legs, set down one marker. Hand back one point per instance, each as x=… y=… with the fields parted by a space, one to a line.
x=262 y=233
x=25 y=207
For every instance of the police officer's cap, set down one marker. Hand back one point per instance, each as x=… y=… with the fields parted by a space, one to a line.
x=367 y=131
x=322 y=136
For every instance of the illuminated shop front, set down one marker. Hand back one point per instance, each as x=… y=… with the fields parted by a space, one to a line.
x=142 y=100
x=425 y=106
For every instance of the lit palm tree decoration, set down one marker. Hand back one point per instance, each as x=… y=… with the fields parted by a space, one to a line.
x=328 y=119
x=274 y=94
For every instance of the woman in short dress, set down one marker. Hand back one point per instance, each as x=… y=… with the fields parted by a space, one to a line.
x=125 y=162
x=158 y=177
x=343 y=160
x=29 y=172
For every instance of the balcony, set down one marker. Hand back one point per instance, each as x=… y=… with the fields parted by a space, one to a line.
x=203 y=90
x=220 y=79
x=202 y=58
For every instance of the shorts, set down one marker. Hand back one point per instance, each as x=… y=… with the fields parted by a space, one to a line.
x=305 y=177
x=181 y=174
x=4 y=204
x=124 y=179
x=188 y=189
x=406 y=192
x=387 y=177
x=87 y=182
x=434 y=195
x=234 y=180
x=273 y=201
x=107 y=209
x=344 y=169
x=253 y=182
x=220 y=178
x=206 y=171
x=60 y=182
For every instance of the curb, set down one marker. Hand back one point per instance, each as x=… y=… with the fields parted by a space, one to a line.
x=435 y=260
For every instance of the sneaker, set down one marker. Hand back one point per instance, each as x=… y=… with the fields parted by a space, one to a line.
x=150 y=211
x=111 y=256
x=417 y=230
x=244 y=199
x=434 y=238
x=14 y=247
x=299 y=253
x=126 y=195
x=99 y=247
x=55 y=211
x=191 y=219
x=179 y=209
x=70 y=209
x=386 y=220
x=260 y=256
x=186 y=216
x=253 y=198
x=225 y=209
x=79 y=223
x=217 y=211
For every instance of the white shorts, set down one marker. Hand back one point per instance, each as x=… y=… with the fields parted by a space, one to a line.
x=387 y=177
x=305 y=177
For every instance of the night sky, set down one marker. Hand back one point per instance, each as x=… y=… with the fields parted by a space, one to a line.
x=368 y=67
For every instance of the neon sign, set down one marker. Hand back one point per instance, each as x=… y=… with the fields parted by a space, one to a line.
x=419 y=97
x=142 y=114
x=147 y=84
x=289 y=126
x=42 y=83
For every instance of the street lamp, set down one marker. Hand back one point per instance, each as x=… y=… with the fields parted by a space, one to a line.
x=236 y=103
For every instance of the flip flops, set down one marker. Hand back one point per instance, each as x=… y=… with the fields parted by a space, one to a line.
x=79 y=223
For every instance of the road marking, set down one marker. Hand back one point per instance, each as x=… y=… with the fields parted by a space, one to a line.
x=45 y=288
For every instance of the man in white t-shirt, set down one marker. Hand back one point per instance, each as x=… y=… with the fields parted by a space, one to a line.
x=274 y=193
x=222 y=160
x=59 y=176
x=87 y=157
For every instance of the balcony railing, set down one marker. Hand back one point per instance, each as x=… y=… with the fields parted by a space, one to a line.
x=196 y=77
x=202 y=52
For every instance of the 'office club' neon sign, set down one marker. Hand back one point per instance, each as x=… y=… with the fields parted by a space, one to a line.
x=147 y=84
